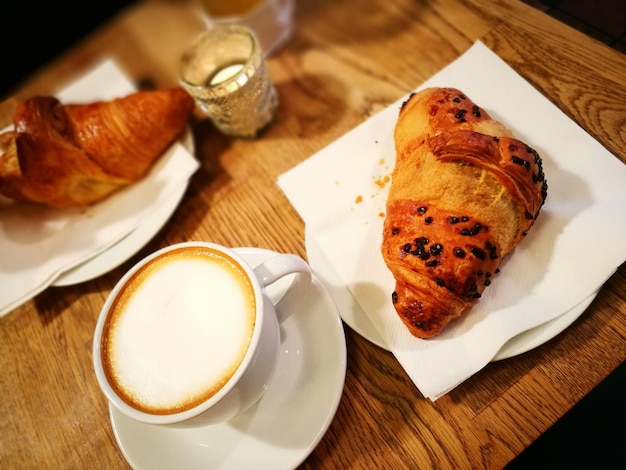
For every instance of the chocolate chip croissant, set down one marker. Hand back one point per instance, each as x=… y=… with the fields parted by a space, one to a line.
x=464 y=193
x=77 y=154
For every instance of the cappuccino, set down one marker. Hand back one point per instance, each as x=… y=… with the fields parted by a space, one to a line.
x=178 y=330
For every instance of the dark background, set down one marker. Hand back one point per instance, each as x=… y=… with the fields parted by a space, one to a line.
x=33 y=33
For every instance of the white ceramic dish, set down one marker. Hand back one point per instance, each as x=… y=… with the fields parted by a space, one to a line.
x=352 y=314
x=126 y=247
x=134 y=241
x=282 y=429
x=543 y=333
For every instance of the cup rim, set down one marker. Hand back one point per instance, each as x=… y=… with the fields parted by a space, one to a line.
x=171 y=418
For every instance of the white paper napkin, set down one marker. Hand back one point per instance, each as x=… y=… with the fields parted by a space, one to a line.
x=576 y=244
x=39 y=243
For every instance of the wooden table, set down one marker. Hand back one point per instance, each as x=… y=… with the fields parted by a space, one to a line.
x=346 y=61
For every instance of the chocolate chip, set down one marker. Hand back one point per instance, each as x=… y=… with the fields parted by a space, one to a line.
x=478 y=253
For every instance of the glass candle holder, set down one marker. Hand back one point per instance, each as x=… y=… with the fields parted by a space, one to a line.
x=225 y=72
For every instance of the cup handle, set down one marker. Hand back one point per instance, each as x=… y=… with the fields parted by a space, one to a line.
x=280 y=266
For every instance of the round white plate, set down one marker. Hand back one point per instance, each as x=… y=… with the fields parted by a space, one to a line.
x=354 y=316
x=281 y=429
x=134 y=241
x=541 y=334
x=126 y=247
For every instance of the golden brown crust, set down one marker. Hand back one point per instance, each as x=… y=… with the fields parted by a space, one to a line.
x=77 y=154
x=464 y=193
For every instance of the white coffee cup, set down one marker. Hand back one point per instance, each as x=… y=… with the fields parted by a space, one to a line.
x=188 y=336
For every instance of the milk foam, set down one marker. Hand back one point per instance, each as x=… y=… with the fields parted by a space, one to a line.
x=184 y=327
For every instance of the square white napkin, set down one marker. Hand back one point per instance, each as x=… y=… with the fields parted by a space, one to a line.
x=576 y=244
x=39 y=243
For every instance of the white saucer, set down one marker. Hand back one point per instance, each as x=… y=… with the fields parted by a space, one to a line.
x=283 y=428
x=354 y=316
x=134 y=241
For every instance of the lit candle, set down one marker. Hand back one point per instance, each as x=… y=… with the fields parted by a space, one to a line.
x=225 y=73
x=237 y=94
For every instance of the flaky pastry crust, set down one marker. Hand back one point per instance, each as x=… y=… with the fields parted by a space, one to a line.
x=464 y=193
x=78 y=154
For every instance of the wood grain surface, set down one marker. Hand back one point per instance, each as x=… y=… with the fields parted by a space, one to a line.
x=346 y=61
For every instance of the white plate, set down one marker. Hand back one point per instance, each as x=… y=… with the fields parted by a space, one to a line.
x=134 y=241
x=541 y=334
x=126 y=247
x=283 y=428
x=352 y=314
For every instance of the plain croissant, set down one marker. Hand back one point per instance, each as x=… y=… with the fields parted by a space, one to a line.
x=77 y=154
x=464 y=193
